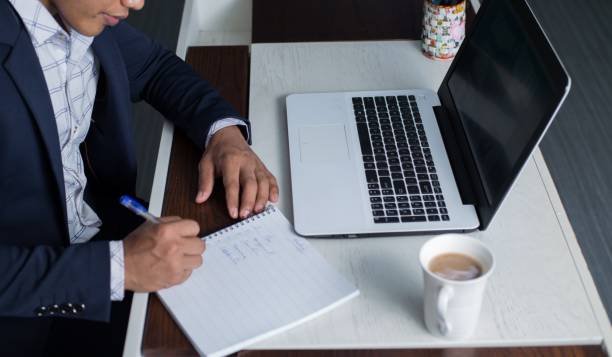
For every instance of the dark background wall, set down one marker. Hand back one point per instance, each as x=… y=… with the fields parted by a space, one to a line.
x=578 y=147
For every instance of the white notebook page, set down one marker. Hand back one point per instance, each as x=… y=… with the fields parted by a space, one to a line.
x=258 y=278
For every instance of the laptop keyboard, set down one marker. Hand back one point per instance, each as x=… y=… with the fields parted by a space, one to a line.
x=401 y=175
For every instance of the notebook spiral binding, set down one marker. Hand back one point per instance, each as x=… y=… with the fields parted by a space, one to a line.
x=269 y=209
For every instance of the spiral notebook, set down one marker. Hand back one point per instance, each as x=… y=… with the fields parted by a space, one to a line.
x=258 y=278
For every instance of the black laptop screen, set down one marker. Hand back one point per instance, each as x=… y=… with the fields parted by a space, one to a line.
x=504 y=95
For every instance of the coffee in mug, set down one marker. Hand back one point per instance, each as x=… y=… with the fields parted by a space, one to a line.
x=455 y=266
x=455 y=271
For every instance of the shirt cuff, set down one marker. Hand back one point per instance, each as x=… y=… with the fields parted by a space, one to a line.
x=224 y=123
x=117 y=276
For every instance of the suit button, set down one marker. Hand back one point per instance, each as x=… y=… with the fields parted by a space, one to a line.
x=66 y=308
x=41 y=311
x=79 y=308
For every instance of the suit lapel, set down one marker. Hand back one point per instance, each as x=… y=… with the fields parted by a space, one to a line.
x=23 y=67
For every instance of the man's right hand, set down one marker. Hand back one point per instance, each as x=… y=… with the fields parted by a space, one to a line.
x=158 y=256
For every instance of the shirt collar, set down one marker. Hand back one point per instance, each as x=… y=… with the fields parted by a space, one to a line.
x=41 y=25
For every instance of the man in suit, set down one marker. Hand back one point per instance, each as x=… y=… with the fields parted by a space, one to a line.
x=69 y=70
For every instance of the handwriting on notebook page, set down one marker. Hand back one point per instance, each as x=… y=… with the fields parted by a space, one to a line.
x=251 y=242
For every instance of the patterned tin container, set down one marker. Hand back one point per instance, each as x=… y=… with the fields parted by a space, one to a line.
x=443 y=29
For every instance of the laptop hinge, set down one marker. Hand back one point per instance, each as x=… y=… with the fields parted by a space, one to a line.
x=453 y=151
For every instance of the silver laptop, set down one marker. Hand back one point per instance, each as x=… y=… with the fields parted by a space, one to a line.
x=413 y=160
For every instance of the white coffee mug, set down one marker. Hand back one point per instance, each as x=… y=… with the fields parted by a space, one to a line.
x=452 y=307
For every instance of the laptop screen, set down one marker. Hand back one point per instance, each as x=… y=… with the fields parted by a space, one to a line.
x=504 y=93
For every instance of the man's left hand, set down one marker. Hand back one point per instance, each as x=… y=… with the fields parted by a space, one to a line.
x=228 y=155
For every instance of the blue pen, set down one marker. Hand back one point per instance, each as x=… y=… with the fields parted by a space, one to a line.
x=135 y=206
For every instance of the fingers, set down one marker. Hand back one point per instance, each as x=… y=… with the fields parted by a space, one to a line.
x=191 y=262
x=231 y=180
x=274 y=191
x=263 y=192
x=249 y=186
x=179 y=228
x=193 y=246
x=206 y=179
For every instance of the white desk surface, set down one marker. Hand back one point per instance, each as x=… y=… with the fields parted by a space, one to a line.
x=541 y=292
x=536 y=295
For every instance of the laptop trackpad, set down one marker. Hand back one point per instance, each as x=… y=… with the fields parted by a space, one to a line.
x=323 y=143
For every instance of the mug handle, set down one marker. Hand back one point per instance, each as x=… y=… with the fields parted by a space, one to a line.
x=445 y=294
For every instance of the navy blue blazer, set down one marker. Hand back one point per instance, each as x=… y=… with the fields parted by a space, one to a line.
x=38 y=266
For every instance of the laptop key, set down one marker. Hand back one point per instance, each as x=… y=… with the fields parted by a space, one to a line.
x=428 y=198
x=425 y=187
x=374 y=192
x=402 y=198
x=390 y=206
x=402 y=144
x=387 y=192
x=432 y=211
x=433 y=218
x=371 y=176
x=372 y=186
x=391 y=212
x=413 y=189
x=400 y=190
x=441 y=204
x=414 y=219
x=378 y=213
x=376 y=206
x=418 y=211
x=443 y=210
x=404 y=212
x=445 y=217
x=411 y=181
x=430 y=204
x=403 y=204
x=385 y=182
x=389 y=199
x=393 y=220
x=375 y=199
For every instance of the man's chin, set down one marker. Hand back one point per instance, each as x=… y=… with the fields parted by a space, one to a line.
x=91 y=31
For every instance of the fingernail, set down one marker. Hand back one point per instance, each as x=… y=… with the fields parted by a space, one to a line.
x=199 y=196
x=233 y=212
x=245 y=213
